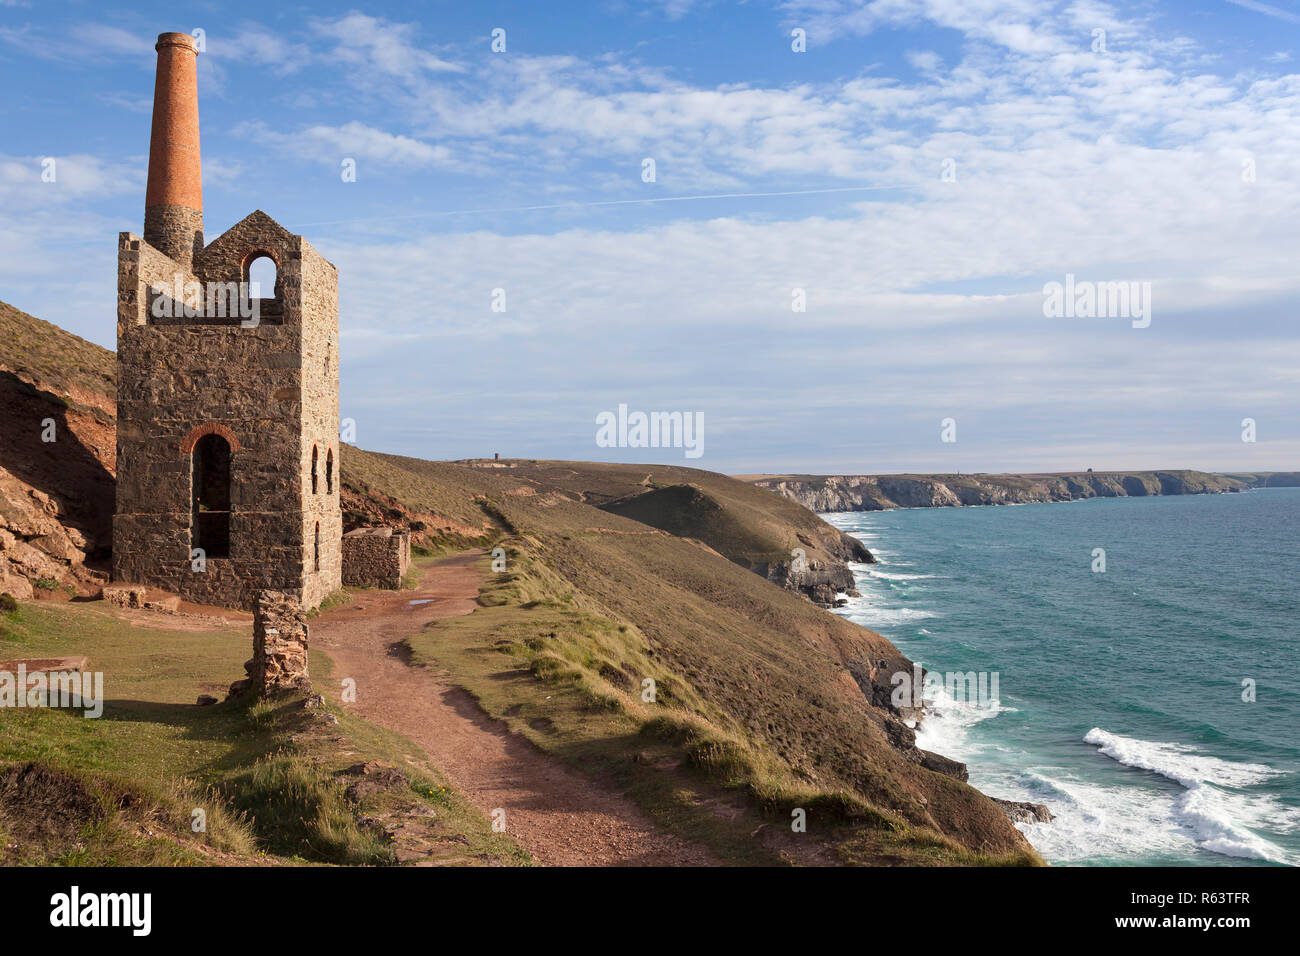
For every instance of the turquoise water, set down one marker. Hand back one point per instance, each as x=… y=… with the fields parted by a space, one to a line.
x=1120 y=693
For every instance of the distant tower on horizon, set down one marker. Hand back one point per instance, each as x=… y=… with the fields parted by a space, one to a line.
x=227 y=431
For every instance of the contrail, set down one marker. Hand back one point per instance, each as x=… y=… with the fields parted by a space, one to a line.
x=605 y=202
x=1267 y=9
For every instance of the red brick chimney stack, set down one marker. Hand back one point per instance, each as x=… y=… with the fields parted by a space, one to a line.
x=173 y=204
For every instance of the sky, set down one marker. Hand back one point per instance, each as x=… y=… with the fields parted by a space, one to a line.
x=839 y=264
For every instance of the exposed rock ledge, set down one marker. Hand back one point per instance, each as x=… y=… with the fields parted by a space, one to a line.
x=1022 y=812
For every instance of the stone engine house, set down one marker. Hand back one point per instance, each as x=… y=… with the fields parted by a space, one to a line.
x=227 y=433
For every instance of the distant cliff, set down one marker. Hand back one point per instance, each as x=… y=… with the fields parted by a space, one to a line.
x=823 y=493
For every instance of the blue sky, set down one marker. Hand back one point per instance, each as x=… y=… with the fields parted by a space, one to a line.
x=775 y=170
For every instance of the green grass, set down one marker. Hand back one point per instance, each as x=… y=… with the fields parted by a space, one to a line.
x=53 y=357
x=336 y=599
x=267 y=774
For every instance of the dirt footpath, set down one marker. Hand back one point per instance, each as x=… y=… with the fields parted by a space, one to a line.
x=560 y=816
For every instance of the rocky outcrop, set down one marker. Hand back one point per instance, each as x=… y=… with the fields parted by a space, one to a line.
x=823 y=580
x=881 y=492
x=945 y=765
x=56 y=458
x=1022 y=812
x=37 y=549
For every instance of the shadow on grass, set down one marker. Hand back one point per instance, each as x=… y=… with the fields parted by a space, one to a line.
x=232 y=722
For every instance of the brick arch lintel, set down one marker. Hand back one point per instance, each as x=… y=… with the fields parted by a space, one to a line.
x=192 y=439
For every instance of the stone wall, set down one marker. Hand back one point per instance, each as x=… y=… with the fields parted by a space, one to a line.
x=376 y=557
x=271 y=390
x=279 y=645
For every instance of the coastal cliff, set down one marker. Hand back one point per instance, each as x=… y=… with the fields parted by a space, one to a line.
x=615 y=575
x=826 y=493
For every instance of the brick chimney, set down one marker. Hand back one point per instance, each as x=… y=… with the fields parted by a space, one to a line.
x=173 y=203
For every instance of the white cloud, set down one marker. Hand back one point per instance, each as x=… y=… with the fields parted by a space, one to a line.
x=923 y=301
x=331 y=144
x=374 y=43
x=926 y=61
x=253 y=43
x=32 y=182
x=82 y=42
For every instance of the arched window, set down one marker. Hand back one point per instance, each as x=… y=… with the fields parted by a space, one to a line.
x=261 y=278
x=329 y=472
x=314 y=456
x=210 y=496
x=315 y=562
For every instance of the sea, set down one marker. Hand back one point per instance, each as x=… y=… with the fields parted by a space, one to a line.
x=1146 y=658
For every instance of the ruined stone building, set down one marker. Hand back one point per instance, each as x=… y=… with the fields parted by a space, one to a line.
x=228 y=423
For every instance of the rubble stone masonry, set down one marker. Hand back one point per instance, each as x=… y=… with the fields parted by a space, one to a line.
x=279 y=645
x=271 y=392
x=376 y=557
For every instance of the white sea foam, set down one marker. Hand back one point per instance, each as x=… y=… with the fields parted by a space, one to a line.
x=1218 y=819
x=947 y=723
x=1091 y=820
x=1180 y=763
x=875 y=616
x=898 y=576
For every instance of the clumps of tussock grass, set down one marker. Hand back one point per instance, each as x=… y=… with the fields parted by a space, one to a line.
x=548 y=667
x=296 y=808
x=735 y=764
x=225 y=828
x=59 y=816
x=292 y=805
x=262 y=715
x=922 y=846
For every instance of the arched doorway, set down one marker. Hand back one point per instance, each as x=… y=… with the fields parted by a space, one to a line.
x=210 y=496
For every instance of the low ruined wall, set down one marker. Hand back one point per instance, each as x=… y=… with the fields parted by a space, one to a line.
x=376 y=557
x=279 y=645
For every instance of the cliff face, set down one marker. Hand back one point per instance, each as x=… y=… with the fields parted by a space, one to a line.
x=819 y=572
x=57 y=456
x=880 y=492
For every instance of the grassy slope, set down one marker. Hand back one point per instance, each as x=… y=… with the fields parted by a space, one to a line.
x=267 y=775
x=53 y=359
x=761 y=693
x=734 y=518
